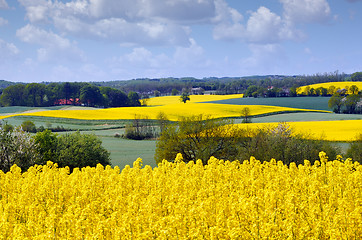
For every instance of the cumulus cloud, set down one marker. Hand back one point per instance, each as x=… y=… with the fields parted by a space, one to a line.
x=266 y=59
x=139 y=22
x=143 y=60
x=53 y=46
x=3 y=4
x=306 y=11
x=7 y=50
x=262 y=27
x=228 y=21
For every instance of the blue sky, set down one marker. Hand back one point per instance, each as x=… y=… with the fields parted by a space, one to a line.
x=103 y=40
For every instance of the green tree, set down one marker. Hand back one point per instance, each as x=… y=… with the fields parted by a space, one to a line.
x=245 y=114
x=47 y=143
x=355 y=149
x=184 y=97
x=353 y=89
x=174 y=92
x=66 y=91
x=350 y=103
x=134 y=99
x=356 y=77
x=140 y=128
x=28 y=126
x=80 y=150
x=91 y=96
x=5 y=126
x=34 y=94
x=251 y=91
x=282 y=143
x=114 y=97
x=53 y=93
x=162 y=121
x=156 y=93
x=293 y=91
x=13 y=95
x=17 y=147
x=331 y=90
x=198 y=137
x=71 y=149
x=335 y=102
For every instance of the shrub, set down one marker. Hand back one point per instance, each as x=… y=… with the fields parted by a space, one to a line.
x=140 y=129
x=355 y=149
x=198 y=137
x=17 y=147
x=28 y=126
x=71 y=149
x=283 y=144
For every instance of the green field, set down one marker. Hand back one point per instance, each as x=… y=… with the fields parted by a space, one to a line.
x=125 y=151
x=315 y=103
x=303 y=116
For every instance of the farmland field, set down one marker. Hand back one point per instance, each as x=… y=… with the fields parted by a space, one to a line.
x=167 y=100
x=344 y=130
x=221 y=200
x=173 y=111
x=315 y=103
x=305 y=116
x=328 y=84
x=106 y=122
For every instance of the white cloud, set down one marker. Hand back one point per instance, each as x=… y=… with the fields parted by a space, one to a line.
x=142 y=60
x=3 y=4
x=265 y=59
x=306 y=11
x=262 y=27
x=190 y=56
x=7 y=50
x=228 y=22
x=153 y=22
x=53 y=46
x=3 y=21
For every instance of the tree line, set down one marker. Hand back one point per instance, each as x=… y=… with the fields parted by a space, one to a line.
x=131 y=93
x=77 y=93
x=74 y=150
x=201 y=137
x=229 y=85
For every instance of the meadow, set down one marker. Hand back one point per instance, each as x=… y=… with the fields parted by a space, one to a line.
x=309 y=114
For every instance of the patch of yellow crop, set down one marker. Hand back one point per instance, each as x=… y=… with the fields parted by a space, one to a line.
x=158 y=101
x=221 y=200
x=343 y=130
x=340 y=85
x=173 y=111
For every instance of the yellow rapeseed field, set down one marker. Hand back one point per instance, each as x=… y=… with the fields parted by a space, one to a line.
x=221 y=200
x=166 y=100
x=342 y=130
x=173 y=111
x=328 y=84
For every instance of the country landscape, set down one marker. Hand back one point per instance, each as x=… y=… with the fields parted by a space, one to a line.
x=179 y=119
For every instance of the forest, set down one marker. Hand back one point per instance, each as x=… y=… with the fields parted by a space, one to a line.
x=137 y=92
